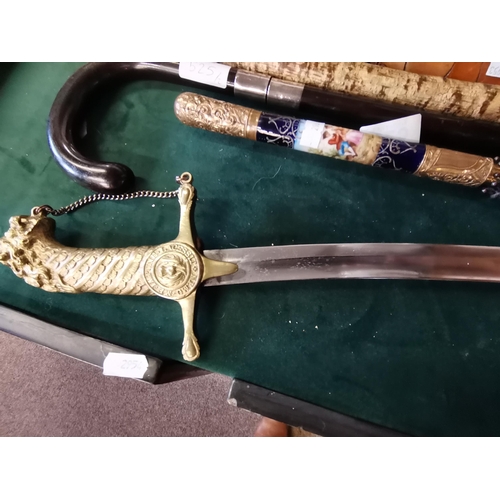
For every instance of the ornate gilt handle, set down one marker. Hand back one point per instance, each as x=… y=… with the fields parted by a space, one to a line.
x=339 y=142
x=173 y=270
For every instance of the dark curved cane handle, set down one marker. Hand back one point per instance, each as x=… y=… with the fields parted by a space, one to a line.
x=100 y=176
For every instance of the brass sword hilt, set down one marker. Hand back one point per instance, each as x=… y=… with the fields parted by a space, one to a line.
x=172 y=270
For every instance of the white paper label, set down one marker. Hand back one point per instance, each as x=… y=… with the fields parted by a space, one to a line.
x=311 y=134
x=403 y=129
x=494 y=70
x=117 y=364
x=214 y=74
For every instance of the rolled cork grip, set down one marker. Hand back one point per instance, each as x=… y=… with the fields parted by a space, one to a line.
x=427 y=92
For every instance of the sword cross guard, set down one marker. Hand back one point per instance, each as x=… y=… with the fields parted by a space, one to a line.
x=175 y=270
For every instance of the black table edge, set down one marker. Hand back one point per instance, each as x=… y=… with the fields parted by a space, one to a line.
x=68 y=342
x=298 y=413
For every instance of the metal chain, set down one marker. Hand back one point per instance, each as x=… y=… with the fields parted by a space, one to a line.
x=48 y=210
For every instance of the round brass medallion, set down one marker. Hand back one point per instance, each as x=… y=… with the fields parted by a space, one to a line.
x=173 y=270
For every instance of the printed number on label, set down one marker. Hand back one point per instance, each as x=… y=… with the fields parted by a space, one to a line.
x=125 y=365
x=214 y=74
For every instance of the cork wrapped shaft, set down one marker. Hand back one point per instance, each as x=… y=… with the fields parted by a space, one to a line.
x=433 y=93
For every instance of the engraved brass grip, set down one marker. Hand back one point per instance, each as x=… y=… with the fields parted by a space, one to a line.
x=216 y=116
x=458 y=168
x=173 y=270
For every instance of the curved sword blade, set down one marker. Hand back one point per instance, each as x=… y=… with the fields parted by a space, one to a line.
x=359 y=261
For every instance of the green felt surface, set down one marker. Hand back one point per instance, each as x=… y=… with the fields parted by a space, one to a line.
x=420 y=357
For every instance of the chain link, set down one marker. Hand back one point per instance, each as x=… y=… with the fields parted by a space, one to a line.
x=48 y=210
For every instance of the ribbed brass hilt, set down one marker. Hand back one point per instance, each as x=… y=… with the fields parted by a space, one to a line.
x=173 y=270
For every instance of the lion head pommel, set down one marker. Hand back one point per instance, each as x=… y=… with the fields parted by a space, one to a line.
x=17 y=248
